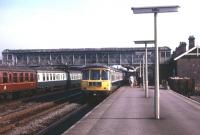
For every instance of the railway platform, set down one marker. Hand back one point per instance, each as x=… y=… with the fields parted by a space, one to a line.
x=128 y=112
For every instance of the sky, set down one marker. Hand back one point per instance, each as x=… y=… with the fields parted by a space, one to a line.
x=54 y=24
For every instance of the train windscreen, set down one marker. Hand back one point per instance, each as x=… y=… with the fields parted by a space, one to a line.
x=95 y=75
x=85 y=75
x=104 y=75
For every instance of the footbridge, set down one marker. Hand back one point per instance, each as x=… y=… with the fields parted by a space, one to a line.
x=82 y=56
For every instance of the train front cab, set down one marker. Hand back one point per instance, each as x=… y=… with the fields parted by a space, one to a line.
x=96 y=81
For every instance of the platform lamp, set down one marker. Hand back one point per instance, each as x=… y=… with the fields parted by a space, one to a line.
x=146 y=64
x=155 y=11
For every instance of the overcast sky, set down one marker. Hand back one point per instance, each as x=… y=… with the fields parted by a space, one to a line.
x=47 y=24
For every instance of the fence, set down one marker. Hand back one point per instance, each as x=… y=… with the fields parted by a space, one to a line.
x=184 y=86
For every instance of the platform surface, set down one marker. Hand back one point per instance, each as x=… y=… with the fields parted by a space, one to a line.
x=128 y=112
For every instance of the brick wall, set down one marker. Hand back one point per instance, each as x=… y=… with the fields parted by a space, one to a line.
x=189 y=67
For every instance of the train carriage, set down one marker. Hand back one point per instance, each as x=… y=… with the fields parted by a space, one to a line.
x=22 y=81
x=75 y=77
x=51 y=79
x=16 y=79
x=100 y=79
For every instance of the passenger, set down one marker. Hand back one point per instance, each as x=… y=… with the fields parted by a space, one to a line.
x=131 y=81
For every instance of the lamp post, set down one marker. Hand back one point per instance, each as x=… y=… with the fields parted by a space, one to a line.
x=143 y=78
x=146 y=64
x=140 y=76
x=155 y=11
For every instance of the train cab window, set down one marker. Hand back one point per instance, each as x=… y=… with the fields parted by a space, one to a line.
x=104 y=75
x=26 y=76
x=95 y=75
x=21 y=77
x=15 y=77
x=85 y=75
x=31 y=77
x=5 y=77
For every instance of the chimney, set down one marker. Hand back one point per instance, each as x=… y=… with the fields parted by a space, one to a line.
x=191 y=42
x=181 y=48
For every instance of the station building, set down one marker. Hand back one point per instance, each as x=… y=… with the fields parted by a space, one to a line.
x=186 y=62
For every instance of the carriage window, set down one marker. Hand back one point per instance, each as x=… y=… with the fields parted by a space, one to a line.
x=85 y=74
x=43 y=77
x=57 y=77
x=31 y=77
x=21 y=77
x=95 y=75
x=5 y=77
x=47 y=77
x=26 y=76
x=54 y=77
x=79 y=76
x=104 y=74
x=50 y=76
x=14 y=77
x=10 y=77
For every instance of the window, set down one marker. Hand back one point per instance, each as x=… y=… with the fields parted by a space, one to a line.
x=5 y=77
x=47 y=77
x=26 y=76
x=31 y=77
x=15 y=77
x=163 y=54
x=21 y=77
x=9 y=57
x=10 y=77
x=50 y=76
x=104 y=74
x=57 y=77
x=95 y=75
x=85 y=74
x=43 y=75
x=63 y=76
x=168 y=54
x=54 y=77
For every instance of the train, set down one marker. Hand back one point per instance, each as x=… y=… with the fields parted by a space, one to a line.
x=17 y=79
x=100 y=79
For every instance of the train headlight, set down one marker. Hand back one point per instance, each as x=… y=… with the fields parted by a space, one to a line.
x=105 y=85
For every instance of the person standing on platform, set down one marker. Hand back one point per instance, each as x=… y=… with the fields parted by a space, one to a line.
x=131 y=81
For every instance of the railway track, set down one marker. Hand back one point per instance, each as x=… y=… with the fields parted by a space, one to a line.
x=19 y=117
x=61 y=125
x=20 y=104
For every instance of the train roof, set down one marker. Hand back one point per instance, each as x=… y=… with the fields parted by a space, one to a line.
x=96 y=66
x=12 y=68
x=101 y=66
